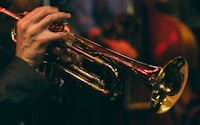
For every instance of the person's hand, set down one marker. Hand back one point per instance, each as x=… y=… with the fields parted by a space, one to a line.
x=33 y=35
x=121 y=46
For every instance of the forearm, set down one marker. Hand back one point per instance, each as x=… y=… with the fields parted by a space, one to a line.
x=20 y=88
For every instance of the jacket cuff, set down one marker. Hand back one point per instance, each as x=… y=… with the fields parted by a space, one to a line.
x=20 y=82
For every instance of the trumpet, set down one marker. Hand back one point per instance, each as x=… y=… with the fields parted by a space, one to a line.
x=165 y=83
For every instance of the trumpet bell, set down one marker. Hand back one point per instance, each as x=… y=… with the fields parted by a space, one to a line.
x=171 y=82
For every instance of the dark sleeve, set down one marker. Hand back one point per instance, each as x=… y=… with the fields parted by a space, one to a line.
x=20 y=88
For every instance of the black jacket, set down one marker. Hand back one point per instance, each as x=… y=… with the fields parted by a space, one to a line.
x=25 y=96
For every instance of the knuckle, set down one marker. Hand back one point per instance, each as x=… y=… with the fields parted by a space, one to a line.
x=31 y=31
x=21 y=25
x=44 y=9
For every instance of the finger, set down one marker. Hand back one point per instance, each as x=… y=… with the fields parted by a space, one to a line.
x=52 y=18
x=39 y=13
x=35 y=16
x=55 y=36
x=43 y=25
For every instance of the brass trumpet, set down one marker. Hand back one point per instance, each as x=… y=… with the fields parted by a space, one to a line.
x=165 y=83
